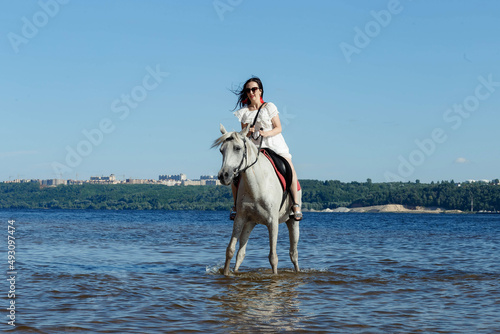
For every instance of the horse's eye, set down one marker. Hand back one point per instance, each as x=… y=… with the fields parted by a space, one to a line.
x=237 y=148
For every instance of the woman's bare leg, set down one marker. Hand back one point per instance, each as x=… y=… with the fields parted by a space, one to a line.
x=293 y=187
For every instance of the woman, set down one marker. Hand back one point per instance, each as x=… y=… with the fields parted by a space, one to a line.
x=268 y=126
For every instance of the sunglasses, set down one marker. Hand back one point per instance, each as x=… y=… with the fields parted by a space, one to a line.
x=253 y=89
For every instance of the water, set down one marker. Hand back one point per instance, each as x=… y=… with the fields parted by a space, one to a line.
x=160 y=272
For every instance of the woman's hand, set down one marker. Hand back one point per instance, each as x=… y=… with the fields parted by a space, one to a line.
x=275 y=130
x=250 y=131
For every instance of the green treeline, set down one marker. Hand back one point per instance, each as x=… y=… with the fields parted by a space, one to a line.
x=448 y=195
x=114 y=197
x=317 y=195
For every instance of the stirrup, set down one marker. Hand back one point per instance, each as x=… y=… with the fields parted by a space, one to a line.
x=297 y=215
x=232 y=213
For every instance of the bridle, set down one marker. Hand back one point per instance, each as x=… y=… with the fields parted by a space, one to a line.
x=239 y=170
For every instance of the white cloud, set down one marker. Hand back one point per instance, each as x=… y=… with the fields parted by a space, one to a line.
x=461 y=161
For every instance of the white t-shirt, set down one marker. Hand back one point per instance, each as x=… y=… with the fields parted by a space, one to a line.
x=276 y=143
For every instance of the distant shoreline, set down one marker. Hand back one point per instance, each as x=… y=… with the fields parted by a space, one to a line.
x=390 y=208
x=445 y=197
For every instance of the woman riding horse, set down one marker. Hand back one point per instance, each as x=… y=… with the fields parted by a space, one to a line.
x=263 y=116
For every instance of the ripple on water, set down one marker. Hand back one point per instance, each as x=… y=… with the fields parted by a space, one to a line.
x=139 y=272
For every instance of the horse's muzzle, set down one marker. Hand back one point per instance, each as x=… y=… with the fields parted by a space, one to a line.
x=225 y=177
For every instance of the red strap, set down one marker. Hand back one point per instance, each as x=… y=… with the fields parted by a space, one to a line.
x=280 y=177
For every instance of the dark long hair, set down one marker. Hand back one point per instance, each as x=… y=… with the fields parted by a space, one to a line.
x=242 y=95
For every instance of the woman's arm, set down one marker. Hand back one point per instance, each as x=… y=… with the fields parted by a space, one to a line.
x=276 y=128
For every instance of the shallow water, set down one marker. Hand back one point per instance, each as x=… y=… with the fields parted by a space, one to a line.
x=160 y=272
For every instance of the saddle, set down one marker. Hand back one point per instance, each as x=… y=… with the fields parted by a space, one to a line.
x=283 y=171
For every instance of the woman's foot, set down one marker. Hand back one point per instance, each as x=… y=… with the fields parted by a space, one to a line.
x=297 y=214
x=232 y=213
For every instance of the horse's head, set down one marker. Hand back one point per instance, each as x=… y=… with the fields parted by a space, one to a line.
x=234 y=153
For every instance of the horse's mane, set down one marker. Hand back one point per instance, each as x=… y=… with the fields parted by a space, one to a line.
x=226 y=136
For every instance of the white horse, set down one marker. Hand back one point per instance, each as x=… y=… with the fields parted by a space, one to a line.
x=259 y=197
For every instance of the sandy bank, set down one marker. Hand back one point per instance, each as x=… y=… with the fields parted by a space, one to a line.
x=393 y=208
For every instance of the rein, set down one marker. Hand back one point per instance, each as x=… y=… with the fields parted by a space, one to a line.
x=245 y=157
x=238 y=170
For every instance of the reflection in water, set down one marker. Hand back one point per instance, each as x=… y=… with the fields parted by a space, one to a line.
x=260 y=301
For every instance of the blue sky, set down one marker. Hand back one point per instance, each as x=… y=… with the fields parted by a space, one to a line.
x=386 y=90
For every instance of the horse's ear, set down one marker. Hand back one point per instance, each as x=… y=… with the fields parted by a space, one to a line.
x=244 y=132
x=223 y=129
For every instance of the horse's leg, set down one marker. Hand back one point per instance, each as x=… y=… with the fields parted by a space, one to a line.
x=237 y=226
x=273 y=240
x=293 y=232
x=245 y=234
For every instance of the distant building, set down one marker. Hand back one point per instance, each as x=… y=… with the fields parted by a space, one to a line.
x=30 y=181
x=170 y=182
x=23 y=181
x=477 y=181
x=103 y=179
x=179 y=177
x=208 y=177
x=75 y=182
x=191 y=183
x=137 y=181
x=209 y=180
x=201 y=182
x=53 y=182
